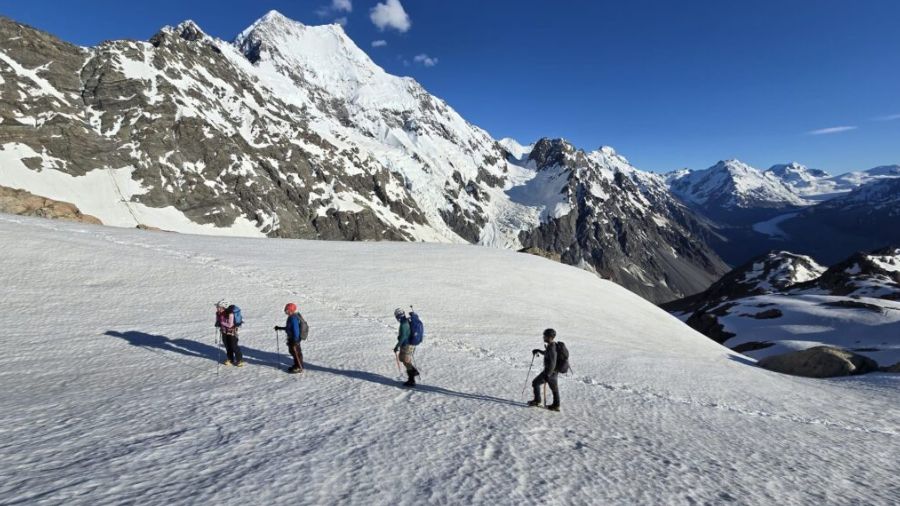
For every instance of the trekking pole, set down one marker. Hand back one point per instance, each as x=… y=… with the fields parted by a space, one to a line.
x=277 y=349
x=397 y=357
x=545 y=395
x=216 y=342
x=527 y=375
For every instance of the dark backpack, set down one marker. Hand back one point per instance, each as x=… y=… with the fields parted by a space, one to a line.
x=236 y=311
x=562 y=358
x=304 y=328
x=416 y=329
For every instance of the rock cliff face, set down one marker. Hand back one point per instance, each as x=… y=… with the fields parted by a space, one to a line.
x=618 y=221
x=292 y=131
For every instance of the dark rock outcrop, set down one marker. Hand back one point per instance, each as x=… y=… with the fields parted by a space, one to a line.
x=820 y=362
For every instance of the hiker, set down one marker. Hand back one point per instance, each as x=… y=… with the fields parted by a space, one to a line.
x=294 y=327
x=550 y=372
x=404 y=348
x=229 y=330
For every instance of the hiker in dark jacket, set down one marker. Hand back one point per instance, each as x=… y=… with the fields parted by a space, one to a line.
x=228 y=329
x=549 y=374
x=293 y=328
x=405 y=349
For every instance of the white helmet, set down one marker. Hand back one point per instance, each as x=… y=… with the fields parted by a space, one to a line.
x=223 y=304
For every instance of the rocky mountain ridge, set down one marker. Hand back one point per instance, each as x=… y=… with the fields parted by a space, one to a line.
x=292 y=131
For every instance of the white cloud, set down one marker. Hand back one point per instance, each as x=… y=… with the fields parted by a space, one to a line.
x=426 y=60
x=390 y=14
x=342 y=5
x=831 y=130
x=341 y=21
x=335 y=7
x=889 y=117
x=379 y=43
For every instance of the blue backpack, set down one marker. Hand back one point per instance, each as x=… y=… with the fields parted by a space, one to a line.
x=416 y=329
x=236 y=311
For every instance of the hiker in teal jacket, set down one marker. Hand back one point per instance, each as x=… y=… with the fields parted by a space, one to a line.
x=405 y=349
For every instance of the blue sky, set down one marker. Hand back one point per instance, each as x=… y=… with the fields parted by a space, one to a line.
x=668 y=83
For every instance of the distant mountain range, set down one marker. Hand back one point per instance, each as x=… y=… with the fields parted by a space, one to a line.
x=792 y=207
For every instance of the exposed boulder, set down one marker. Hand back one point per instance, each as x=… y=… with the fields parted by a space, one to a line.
x=768 y=314
x=23 y=203
x=819 y=362
x=556 y=257
x=708 y=325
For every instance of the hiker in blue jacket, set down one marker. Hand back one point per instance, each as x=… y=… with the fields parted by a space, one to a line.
x=404 y=348
x=293 y=329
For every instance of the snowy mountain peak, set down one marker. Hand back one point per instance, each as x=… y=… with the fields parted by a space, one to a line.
x=325 y=62
x=873 y=274
x=272 y=21
x=552 y=152
x=801 y=179
x=187 y=30
x=794 y=170
x=885 y=170
x=515 y=148
x=733 y=184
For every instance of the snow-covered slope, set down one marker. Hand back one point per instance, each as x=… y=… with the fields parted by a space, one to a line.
x=784 y=302
x=111 y=392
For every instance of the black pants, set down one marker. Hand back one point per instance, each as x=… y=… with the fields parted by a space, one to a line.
x=232 y=348
x=550 y=379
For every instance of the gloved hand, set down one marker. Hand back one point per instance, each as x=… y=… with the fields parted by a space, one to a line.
x=396 y=348
x=277 y=327
x=537 y=352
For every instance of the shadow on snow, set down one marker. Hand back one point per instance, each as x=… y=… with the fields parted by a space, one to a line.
x=194 y=349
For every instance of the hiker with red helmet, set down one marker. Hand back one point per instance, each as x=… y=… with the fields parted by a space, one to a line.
x=228 y=327
x=297 y=330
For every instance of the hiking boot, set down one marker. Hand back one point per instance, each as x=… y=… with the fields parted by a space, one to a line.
x=226 y=362
x=240 y=364
x=295 y=370
x=414 y=372
x=553 y=407
x=535 y=403
x=411 y=382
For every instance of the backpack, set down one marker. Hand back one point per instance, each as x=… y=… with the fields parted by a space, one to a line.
x=236 y=311
x=416 y=329
x=562 y=358
x=304 y=328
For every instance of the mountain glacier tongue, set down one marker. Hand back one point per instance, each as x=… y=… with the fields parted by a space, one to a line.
x=293 y=131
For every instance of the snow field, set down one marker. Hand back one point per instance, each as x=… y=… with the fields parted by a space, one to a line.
x=112 y=395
